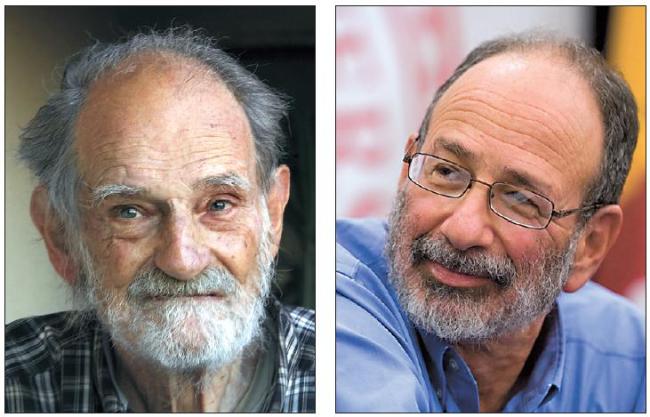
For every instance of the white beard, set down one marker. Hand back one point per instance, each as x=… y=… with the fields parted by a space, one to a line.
x=183 y=333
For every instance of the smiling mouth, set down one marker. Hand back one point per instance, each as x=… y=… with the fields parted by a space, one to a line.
x=455 y=279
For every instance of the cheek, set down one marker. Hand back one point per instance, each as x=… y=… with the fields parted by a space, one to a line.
x=523 y=245
x=236 y=249
x=425 y=212
x=234 y=246
x=117 y=259
x=125 y=258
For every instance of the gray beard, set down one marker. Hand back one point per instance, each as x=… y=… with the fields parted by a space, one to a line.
x=173 y=333
x=471 y=315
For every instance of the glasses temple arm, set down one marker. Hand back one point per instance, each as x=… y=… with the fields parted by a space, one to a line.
x=564 y=213
x=409 y=156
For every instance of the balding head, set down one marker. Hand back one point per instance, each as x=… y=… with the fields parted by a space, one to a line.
x=47 y=143
x=615 y=101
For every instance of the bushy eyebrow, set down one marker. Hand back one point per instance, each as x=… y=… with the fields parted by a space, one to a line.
x=525 y=181
x=455 y=148
x=102 y=192
x=229 y=180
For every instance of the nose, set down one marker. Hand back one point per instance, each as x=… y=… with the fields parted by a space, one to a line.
x=469 y=224
x=181 y=253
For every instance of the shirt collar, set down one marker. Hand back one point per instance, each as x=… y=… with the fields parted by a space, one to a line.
x=560 y=341
x=87 y=372
x=112 y=398
x=552 y=367
x=545 y=379
x=436 y=349
x=542 y=385
x=287 y=350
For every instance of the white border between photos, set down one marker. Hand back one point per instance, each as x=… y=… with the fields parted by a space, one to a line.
x=325 y=209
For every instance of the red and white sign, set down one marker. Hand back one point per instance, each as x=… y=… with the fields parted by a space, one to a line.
x=389 y=62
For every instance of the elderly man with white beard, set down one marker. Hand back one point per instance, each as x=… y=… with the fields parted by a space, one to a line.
x=475 y=294
x=160 y=201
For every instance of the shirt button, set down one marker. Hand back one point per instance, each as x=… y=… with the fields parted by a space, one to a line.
x=453 y=365
x=439 y=393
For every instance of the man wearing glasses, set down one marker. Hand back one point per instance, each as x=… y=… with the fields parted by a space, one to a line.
x=474 y=296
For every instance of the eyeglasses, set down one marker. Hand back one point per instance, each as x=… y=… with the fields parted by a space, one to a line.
x=517 y=205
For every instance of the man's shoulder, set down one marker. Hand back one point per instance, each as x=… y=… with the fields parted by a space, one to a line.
x=598 y=319
x=360 y=259
x=298 y=327
x=301 y=319
x=359 y=240
x=297 y=373
x=375 y=340
x=604 y=352
x=362 y=280
x=34 y=344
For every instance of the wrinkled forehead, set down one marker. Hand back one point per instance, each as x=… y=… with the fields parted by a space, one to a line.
x=156 y=108
x=535 y=103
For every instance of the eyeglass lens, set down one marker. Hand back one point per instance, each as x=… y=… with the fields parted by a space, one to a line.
x=518 y=205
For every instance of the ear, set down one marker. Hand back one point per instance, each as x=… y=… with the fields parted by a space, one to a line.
x=51 y=229
x=277 y=201
x=598 y=237
x=409 y=148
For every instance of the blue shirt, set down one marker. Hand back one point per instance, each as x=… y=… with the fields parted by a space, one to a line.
x=592 y=358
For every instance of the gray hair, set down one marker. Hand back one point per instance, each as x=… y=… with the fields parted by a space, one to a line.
x=47 y=143
x=617 y=106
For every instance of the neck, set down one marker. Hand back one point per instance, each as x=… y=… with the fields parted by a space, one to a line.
x=151 y=389
x=498 y=364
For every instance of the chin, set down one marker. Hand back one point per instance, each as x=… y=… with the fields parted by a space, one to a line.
x=186 y=335
x=469 y=315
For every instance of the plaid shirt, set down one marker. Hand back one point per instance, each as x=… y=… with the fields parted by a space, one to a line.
x=50 y=367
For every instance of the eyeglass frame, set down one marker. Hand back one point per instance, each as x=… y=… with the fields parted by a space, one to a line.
x=555 y=214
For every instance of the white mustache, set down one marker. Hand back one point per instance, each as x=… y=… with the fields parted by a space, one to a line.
x=153 y=282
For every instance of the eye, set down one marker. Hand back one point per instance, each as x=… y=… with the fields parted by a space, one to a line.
x=220 y=205
x=443 y=170
x=522 y=203
x=518 y=197
x=446 y=172
x=127 y=212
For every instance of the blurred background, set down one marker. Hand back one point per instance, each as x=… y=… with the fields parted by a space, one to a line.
x=390 y=61
x=276 y=43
